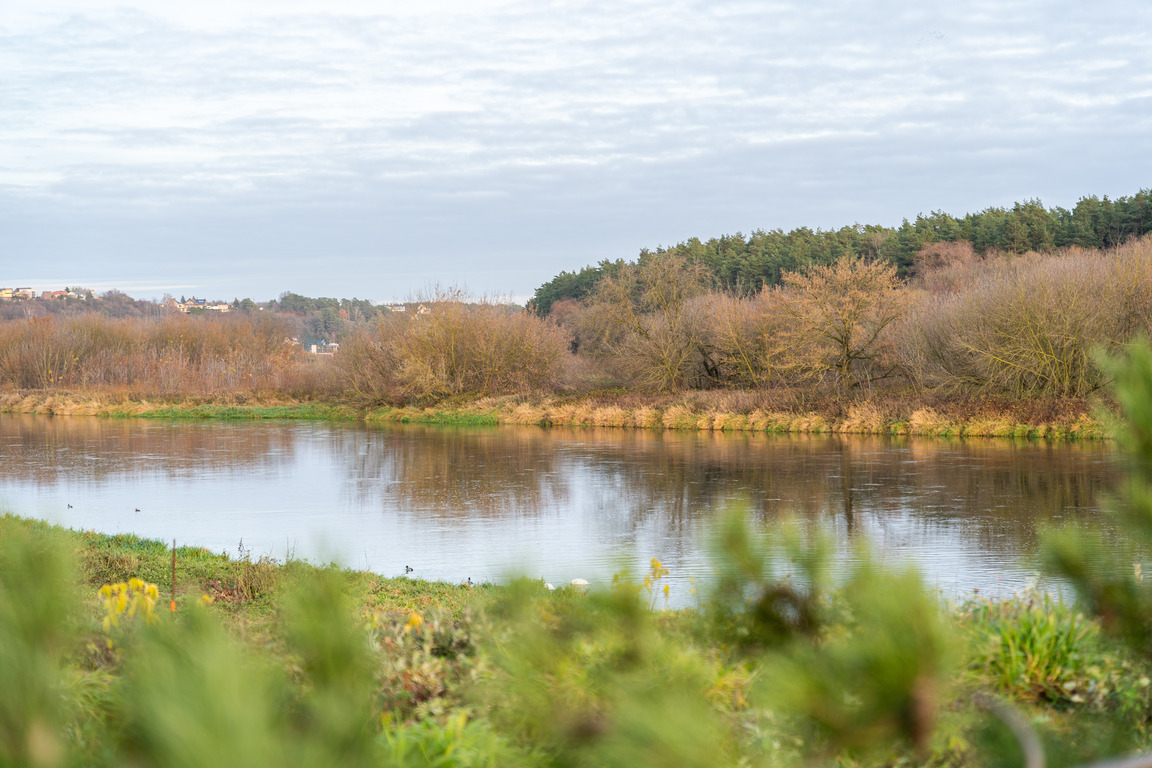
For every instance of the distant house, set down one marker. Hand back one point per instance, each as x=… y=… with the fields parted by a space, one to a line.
x=199 y=305
x=53 y=294
x=6 y=294
x=23 y=293
x=396 y=308
x=325 y=349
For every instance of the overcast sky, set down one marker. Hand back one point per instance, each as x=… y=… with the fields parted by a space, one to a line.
x=228 y=148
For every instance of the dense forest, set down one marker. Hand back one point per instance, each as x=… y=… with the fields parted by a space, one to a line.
x=745 y=263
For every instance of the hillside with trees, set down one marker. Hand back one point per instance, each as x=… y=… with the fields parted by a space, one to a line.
x=746 y=263
x=862 y=334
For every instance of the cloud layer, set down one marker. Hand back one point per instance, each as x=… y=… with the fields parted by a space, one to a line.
x=329 y=149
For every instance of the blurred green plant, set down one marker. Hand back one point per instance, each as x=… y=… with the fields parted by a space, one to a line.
x=750 y=607
x=458 y=743
x=35 y=605
x=589 y=679
x=873 y=679
x=422 y=665
x=1107 y=574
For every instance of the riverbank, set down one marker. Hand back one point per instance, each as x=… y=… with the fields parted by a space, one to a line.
x=262 y=657
x=726 y=411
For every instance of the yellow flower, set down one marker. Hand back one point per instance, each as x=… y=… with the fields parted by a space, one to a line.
x=414 y=623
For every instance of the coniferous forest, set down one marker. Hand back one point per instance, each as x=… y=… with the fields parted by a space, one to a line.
x=748 y=262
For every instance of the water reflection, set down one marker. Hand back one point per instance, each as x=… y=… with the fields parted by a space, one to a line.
x=45 y=450
x=477 y=502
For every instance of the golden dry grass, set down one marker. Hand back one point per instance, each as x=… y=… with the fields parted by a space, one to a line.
x=981 y=419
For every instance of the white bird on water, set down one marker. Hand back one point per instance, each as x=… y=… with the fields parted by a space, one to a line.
x=579 y=583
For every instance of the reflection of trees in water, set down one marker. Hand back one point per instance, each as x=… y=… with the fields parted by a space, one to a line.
x=629 y=479
x=456 y=472
x=45 y=450
x=615 y=482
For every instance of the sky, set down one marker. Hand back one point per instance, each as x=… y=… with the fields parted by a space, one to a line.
x=232 y=148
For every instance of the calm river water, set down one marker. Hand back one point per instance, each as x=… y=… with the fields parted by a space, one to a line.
x=481 y=503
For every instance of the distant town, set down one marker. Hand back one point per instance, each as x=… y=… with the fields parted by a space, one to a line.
x=18 y=294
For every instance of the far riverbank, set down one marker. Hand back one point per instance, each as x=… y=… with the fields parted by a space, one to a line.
x=726 y=411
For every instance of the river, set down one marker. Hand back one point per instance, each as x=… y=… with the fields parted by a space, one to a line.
x=455 y=503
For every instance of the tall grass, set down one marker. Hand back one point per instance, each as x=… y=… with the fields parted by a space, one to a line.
x=1036 y=648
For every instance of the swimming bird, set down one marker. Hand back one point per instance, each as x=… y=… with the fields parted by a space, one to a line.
x=580 y=583
x=137 y=509
x=408 y=569
x=69 y=506
x=469 y=582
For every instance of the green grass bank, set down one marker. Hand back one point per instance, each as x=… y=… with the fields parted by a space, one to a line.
x=301 y=664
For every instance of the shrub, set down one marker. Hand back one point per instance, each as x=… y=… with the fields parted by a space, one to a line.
x=746 y=336
x=175 y=355
x=643 y=319
x=456 y=347
x=1030 y=325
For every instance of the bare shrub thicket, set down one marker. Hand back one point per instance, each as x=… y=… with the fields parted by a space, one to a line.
x=839 y=319
x=656 y=324
x=946 y=266
x=457 y=347
x=747 y=337
x=641 y=319
x=1031 y=324
x=174 y=355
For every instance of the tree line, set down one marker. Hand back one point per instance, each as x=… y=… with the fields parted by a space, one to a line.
x=746 y=263
x=957 y=322
x=1016 y=324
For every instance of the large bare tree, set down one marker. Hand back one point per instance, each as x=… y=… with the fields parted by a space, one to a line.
x=839 y=314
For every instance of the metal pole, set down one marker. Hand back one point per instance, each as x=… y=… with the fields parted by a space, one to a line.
x=173 y=605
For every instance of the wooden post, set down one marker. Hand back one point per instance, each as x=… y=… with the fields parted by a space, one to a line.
x=173 y=606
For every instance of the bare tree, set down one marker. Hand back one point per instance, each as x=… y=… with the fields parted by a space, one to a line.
x=747 y=337
x=838 y=317
x=640 y=316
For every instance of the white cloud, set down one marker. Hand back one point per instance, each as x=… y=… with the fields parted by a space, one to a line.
x=503 y=123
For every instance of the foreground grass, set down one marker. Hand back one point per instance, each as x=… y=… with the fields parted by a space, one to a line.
x=722 y=411
x=299 y=664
